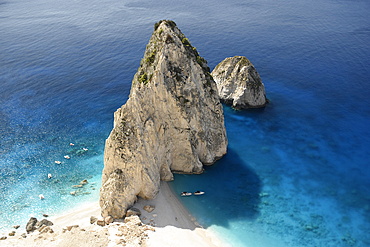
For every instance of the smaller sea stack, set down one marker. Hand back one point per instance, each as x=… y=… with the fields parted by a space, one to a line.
x=239 y=84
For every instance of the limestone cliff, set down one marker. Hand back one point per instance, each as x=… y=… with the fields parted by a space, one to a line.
x=172 y=122
x=239 y=83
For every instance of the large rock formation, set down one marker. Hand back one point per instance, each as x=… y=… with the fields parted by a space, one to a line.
x=172 y=121
x=239 y=83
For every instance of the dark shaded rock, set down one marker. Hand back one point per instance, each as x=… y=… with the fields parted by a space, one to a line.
x=44 y=222
x=100 y=222
x=31 y=225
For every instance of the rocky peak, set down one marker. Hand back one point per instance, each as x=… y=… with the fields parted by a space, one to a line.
x=239 y=83
x=172 y=122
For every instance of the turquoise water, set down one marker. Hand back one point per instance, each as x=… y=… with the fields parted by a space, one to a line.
x=296 y=173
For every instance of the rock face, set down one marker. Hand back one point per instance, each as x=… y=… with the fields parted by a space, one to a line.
x=239 y=84
x=172 y=122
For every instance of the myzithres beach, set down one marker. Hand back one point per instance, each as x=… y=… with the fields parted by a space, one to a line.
x=296 y=172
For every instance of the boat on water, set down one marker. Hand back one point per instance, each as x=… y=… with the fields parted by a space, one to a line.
x=197 y=193
x=186 y=193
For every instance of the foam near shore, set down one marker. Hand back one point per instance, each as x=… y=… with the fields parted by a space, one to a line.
x=168 y=224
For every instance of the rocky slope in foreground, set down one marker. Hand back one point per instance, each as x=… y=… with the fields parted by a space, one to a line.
x=239 y=83
x=172 y=122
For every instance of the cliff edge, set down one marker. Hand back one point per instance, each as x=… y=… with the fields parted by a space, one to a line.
x=239 y=83
x=172 y=122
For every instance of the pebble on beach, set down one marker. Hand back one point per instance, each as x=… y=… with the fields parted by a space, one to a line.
x=93 y=219
x=108 y=220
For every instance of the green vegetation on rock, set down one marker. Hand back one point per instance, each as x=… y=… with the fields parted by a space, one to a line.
x=150 y=58
x=186 y=42
x=201 y=60
x=244 y=61
x=143 y=78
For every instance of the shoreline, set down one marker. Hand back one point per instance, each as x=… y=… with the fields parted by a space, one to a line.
x=174 y=224
x=169 y=224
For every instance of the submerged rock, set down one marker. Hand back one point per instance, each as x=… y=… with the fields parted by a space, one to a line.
x=149 y=208
x=83 y=182
x=172 y=122
x=239 y=84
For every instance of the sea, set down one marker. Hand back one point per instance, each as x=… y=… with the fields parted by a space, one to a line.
x=297 y=173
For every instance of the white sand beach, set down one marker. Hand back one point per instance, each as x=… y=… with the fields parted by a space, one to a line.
x=169 y=224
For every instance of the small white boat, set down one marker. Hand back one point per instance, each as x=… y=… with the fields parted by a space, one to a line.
x=185 y=193
x=198 y=193
x=67 y=157
x=41 y=196
x=50 y=176
x=58 y=162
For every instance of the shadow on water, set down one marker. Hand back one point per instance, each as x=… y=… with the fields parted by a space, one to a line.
x=232 y=192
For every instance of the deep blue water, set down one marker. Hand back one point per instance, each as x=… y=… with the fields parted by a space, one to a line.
x=296 y=174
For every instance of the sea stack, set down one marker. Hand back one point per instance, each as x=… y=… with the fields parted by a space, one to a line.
x=172 y=122
x=239 y=84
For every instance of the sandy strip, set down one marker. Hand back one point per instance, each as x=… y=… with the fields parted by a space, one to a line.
x=173 y=226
